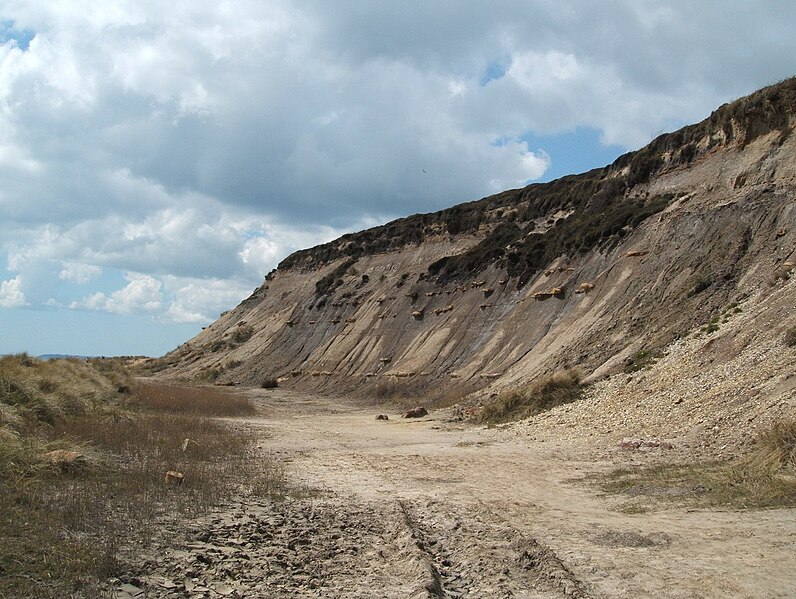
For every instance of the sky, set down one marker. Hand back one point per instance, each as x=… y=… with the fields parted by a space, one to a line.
x=158 y=159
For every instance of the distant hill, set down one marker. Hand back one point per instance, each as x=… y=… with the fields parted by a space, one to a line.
x=62 y=356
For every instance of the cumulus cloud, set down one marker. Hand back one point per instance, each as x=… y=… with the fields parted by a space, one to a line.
x=79 y=273
x=199 y=143
x=141 y=294
x=11 y=294
x=201 y=301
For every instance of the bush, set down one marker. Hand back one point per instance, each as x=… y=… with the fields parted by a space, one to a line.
x=641 y=360
x=539 y=396
x=780 y=274
x=790 y=337
x=270 y=383
x=242 y=333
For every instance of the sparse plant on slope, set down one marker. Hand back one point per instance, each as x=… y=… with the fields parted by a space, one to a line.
x=641 y=359
x=270 y=383
x=765 y=477
x=712 y=326
x=539 y=396
x=790 y=337
x=241 y=334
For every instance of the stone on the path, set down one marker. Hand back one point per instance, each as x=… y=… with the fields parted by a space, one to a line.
x=417 y=412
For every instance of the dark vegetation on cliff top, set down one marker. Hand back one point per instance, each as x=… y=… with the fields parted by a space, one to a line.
x=600 y=209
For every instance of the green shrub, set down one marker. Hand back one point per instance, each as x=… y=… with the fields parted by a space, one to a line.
x=641 y=360
x=539 y=396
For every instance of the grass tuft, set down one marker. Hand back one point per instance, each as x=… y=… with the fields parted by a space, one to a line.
x=765 y=477
x=540 y=396
x=82 y=469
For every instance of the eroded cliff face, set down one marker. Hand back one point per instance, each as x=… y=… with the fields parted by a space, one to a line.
x=581 y=272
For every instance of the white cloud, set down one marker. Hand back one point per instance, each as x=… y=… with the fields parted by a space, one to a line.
x=16 y=158
x=200 y=143
x=79 y=273
x=201 y=301
x=11 y=294
x=142 y=294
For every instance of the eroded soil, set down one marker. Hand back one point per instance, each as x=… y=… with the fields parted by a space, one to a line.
x=431 y=508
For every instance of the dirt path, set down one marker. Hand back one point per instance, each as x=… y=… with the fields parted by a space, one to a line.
x=434 y=509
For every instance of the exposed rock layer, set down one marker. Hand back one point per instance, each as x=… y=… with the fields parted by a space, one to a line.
x=581 y=272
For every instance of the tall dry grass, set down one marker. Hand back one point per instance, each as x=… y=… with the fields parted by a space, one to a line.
x=186 y=400
x=539 y=396
x=65 y=526
x=764 y=477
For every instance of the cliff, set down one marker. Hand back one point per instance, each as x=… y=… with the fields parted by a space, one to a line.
x=582 y=272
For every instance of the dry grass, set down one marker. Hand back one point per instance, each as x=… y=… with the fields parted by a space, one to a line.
x=65 y=528
x=189 y=400
x=766 y=477
x=387 y=389
x=539 y=396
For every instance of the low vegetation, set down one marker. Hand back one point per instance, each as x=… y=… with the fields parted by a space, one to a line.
x=765 y=477
x=712 y=326
x=539 y=396
x=83 y=456
x=334 y=279
x=601 y=215
x=790 y=337
x=602 y=211
x=641 y=359
x=242 y=333
x=270 y=383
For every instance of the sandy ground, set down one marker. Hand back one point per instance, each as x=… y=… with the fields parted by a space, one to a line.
x=431 y=508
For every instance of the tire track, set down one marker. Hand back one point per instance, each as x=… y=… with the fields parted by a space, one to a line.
x=477 y=553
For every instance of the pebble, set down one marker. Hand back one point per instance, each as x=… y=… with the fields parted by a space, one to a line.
x=722 y=396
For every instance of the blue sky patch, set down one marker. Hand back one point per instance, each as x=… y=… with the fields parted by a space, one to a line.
x=495 y=70
x=574 y=152
x=43 y=331
x=22 y=37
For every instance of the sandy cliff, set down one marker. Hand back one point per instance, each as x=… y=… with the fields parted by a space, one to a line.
x=581 y=272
